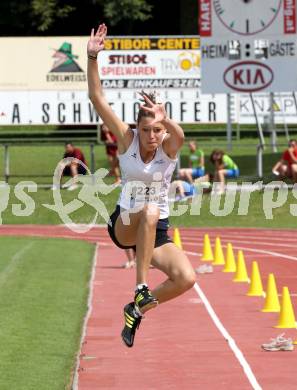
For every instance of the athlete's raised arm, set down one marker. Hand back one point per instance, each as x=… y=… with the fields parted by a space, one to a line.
x=175 y=137
x=96 y=94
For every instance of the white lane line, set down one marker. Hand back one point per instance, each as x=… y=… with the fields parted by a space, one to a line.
x=274 y=254
x=243 y=242
x=235 y=229
x=237 y=352
x=246 y=254
x=289 y=237
x=263 y=243
x=259 y=238
x=86 y=319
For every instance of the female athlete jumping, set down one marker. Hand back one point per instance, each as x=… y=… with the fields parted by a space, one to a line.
x=147 y=158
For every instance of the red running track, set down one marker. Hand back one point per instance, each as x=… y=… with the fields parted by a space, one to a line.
x=178 y=345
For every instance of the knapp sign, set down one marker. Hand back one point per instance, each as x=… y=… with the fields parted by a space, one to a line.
x=248 y=46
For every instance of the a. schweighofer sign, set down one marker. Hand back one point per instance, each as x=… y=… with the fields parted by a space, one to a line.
x=248 y=46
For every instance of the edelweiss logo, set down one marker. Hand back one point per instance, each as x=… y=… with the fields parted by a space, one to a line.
x=159 y=161
x=65 y=69
x=133 y=155
x=64 y=59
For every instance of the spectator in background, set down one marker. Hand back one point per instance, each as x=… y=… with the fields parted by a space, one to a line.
x=224 y=167
x=183 y=189
x=111 y=151
x=196 y=164
x=287 y=165
x=73 y=168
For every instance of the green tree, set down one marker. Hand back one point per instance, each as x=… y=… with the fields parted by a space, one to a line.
x=74 y=17
x=128 y=11
x=23 y=17
x=46 y=12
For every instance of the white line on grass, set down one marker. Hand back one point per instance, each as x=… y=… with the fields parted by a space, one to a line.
x=86 y=319
x=14 y=262
x=237 y=352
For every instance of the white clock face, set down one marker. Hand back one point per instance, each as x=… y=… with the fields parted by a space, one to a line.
x=247 y=17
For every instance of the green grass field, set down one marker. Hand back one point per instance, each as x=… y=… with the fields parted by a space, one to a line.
x=43 y=289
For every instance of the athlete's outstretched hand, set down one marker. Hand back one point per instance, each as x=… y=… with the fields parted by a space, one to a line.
x=96 y=41
x=155 y=108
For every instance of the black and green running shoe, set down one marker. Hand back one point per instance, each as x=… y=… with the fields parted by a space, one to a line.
x=144 y=299
x=132 y=322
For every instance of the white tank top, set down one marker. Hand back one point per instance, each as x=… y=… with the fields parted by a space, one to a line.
x=145 y=183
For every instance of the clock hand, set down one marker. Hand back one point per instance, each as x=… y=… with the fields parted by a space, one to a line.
x=247 y=1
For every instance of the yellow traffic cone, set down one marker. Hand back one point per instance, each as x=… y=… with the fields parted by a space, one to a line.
x=241 y=272
x=230 y=265
x=271 y=304
x=286 y=316
x=256 y=287
x=176 y=238
x=207 y=251
x=219 y=255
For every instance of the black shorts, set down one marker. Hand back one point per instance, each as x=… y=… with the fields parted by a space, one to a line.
x=80 y=170
x=161 y=231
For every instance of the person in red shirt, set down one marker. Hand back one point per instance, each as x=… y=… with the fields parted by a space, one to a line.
x=75 y=168
x=287 y=165
x=111 y=151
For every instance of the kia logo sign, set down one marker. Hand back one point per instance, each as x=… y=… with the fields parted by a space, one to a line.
x=248 y=76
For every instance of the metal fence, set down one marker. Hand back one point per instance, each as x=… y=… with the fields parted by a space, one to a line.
x=36 y=167
x=254 y=166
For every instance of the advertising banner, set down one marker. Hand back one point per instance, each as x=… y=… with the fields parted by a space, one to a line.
x=248 y=46
x=67 y=107
x=59 y=63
